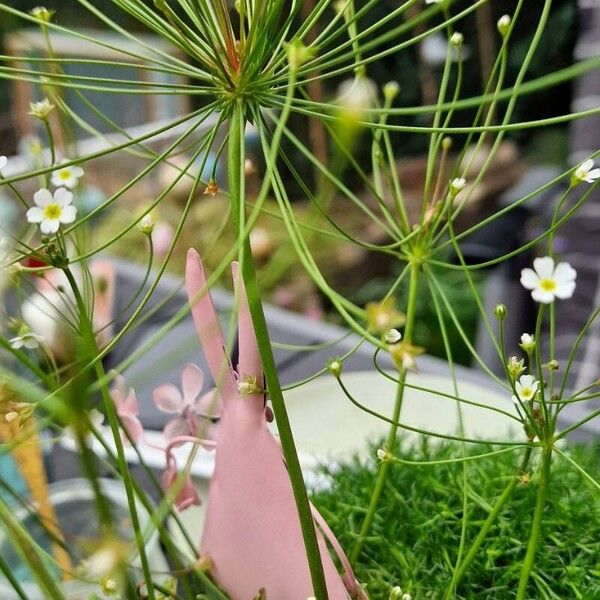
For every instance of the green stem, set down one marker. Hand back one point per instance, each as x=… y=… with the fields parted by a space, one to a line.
x=491 y=518
x=536 y=526
x=87 y=334
x=393 y=431
x=237 y=194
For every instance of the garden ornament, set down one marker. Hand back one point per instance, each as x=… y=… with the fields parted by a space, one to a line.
x=252 y=533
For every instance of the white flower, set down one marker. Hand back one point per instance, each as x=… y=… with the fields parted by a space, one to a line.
x=3 y=162
x=67 y=176
x=456 y=185
x=547 y=281
x=355 y=97
x=526 y=388
x=584 y=172
x=52 y=211
x=527 y=342
x=26 y=339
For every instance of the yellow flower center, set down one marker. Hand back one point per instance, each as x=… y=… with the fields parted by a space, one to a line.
x=548 y=285
x=64 y=174
x=52 y=211
x=526 y=393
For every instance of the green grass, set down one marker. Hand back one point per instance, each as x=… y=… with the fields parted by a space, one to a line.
x=416 y=534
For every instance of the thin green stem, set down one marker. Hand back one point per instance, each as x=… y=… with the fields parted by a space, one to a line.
x=536 y=526
x=390 y=442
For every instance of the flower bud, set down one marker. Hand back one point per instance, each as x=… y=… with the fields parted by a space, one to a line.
x=395 y=593
x=390 y=91
x=504 y=25
x=446 y=143
x=527 y=343
x=552 y=365
x=335 y=367
x=146 y=224
x=457 y=39
x=456 y=185
x=42 y=13
x=392 y=336
x=515 y=367
x=500 y=312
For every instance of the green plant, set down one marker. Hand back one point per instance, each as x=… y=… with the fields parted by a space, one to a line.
x=255 y=66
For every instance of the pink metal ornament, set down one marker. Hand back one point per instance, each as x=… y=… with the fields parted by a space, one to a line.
x=252 y=532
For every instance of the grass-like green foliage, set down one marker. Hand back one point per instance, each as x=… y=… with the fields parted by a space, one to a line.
x=417 y=529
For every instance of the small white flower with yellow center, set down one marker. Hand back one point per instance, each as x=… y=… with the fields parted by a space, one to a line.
x=52 y=210
x=585 y=173
x=526 y=388
x=67 y=176
x=547 y=281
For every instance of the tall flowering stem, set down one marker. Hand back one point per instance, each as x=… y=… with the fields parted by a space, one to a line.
x=237 y=197
x=390 y=443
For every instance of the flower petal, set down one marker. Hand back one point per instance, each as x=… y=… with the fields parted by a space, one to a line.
x=48 y=226
x=565 y=290
x=35 y=214
x=586 y=165
x=43 y=197
x=542 y=296
x=529 y=279
x=130 y=405
x=176 y=427
x=133 y=427
x=63 y=197
x=168 y=398
x=593 y=175
x=209 y=404
x=192 y=380
x=564 y=272
x=68 y=214
x=544 y=266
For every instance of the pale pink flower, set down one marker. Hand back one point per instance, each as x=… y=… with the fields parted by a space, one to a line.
x=194 y=414
x=127 y=409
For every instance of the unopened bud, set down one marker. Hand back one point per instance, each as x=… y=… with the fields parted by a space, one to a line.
x=446 y=143
x=504 y=25
x=392 y=336
x=515 y=367
x=390 y=91
x=457 y=39
x=42 y=13
x=500 y=312
x=395 y=593
x=146 y=225
x=335 y=367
